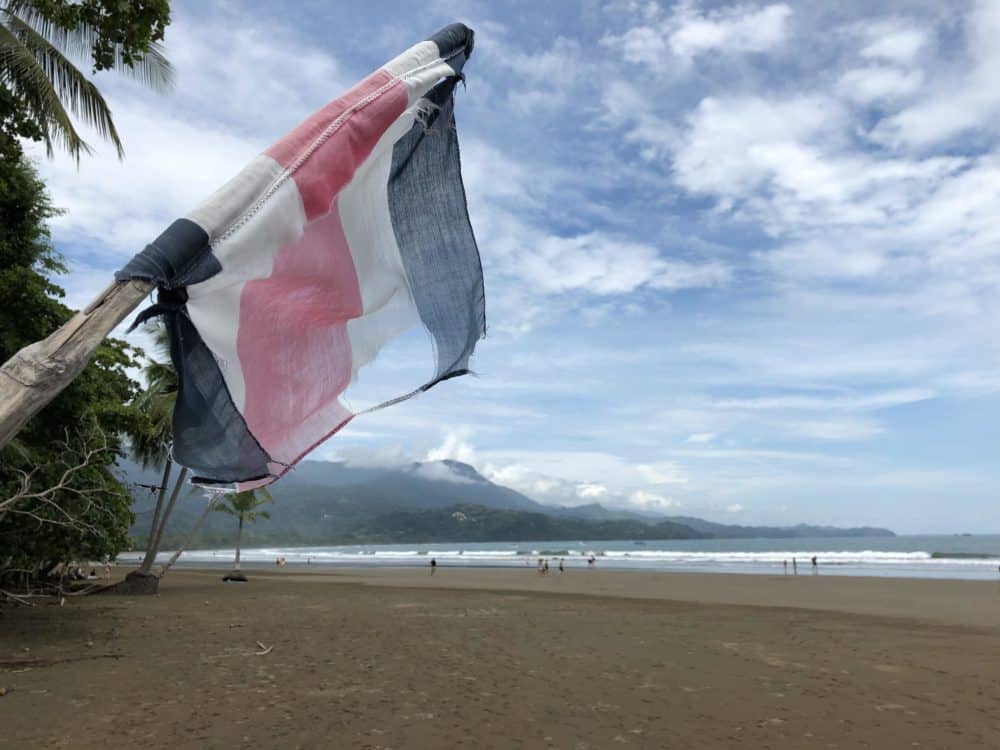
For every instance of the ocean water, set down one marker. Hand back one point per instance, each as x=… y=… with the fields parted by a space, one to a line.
x=968 y=557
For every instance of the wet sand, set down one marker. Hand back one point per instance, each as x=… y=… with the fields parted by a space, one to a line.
x=393 y=658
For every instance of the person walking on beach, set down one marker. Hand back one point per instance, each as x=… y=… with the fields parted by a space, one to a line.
x=815 y=566
x=795 y=566
x=561 y=567
x=785 y=564
x=434 y=565
x=540 y=571
x=545 y=569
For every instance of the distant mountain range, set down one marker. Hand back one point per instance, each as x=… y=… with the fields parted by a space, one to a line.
x=323 y=502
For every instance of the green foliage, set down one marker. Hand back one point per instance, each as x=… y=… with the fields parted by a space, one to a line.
x=244 y=504
x=151 y=441
x=116 y=32
x=42 y=90
x=96 y=408
x=87 y=520
x=475 y=523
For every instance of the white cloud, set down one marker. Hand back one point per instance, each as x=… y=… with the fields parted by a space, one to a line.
x=734 y=508
x=736 y=29
x=722 y=455
x=701 y=437
x=601 y=264
x=833 y=428
x=734 y=145
x=651 y=500
x=894 y=41
x=662 y=473
x=965 y=97
x=454 y=448
x=118 y=207
x=625 y=105
x=788 y=164
x=690 y=32
x=543 y=81
x=591 y=491
x=440 y=472
x=875 y=84
x=878 y=400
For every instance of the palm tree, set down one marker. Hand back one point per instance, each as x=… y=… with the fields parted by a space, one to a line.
x=209 y=506
x=243 y=505
x=36 y=66
x=151 y=445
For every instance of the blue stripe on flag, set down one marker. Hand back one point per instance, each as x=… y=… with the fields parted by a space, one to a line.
x=436 y=243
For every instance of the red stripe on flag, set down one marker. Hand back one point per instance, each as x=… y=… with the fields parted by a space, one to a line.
x=328 y=169
x=292 y=340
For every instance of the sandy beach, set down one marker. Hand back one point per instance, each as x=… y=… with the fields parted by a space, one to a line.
x=394 y=658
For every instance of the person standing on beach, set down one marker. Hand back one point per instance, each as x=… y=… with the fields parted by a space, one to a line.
x=815 y=566
x=785 y=564
x=434 y=565
x=795 y=566
x=561 y=568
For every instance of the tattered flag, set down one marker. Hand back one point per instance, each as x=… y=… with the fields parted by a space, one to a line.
x=285 y=283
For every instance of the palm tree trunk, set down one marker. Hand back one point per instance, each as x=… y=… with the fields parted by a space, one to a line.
x=147 y=560
x=239 y=536
x=190 y=536
x=169 y=509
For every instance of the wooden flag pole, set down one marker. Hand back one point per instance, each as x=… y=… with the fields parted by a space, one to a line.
x=38 y=373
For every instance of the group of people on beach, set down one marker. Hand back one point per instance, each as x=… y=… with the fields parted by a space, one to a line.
x=795 y=566
x=543 y=566
x=78 y=573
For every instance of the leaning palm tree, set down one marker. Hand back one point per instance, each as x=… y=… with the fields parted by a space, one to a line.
x=36 y=65
x=244 y=506
x=192 y=532
x=151 y=443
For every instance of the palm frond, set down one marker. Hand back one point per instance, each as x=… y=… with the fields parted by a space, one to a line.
x=245 y=502
x=152 y=70
x=23 y=73
x=69 y=84
x=161 y=339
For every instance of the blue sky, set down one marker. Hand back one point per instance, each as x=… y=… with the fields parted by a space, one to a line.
x=742 y=261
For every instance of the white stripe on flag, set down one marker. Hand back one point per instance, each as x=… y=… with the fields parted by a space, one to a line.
x=228 y=203
x=388 y=305
x=214 y=305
